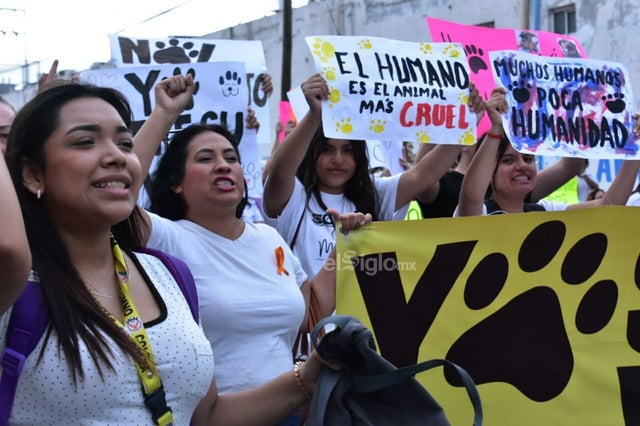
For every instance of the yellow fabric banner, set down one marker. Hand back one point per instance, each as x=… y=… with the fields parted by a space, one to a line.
x=542 y=309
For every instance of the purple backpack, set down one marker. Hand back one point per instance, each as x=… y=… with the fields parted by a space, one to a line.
x=29 y=319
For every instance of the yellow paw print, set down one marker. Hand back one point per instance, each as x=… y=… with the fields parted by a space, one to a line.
x=426 y=48
x=329 y=73
x=377 y=126
x=467 y=138
x=452 y=51
x=422 y=136
x=365 y=44
x=323 y=50
x=344 y=126
x=334 y=96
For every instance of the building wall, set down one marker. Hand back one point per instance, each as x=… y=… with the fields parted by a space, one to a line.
x=606 y=28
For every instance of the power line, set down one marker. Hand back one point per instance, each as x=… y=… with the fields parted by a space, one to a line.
x=154 y=16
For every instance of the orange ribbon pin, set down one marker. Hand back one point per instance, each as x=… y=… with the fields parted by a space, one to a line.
x=280 y=261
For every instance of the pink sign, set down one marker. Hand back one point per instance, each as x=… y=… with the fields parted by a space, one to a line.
x=283 y=117
x=479 y=41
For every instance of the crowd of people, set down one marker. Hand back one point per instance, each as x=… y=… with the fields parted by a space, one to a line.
x=69 y=185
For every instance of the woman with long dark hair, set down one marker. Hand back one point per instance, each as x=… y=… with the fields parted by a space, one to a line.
x=118 y=323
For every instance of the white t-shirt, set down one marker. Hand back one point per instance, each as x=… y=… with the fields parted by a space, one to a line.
x=547 y=204
x=249 y=313
x=634 y=199
x=316 y=236
x=46 y=394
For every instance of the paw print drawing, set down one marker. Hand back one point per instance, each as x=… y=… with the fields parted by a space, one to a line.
x=452 y=51
x=344 y=126
x=426 y=48
x=230 y=83
x=474 y=56
x=174 y=54
x=531 y=326
x=467 y=138
x=323 y=50
x=365 y=44
x=334 y=96
x=422 y=136
x=520 y=91
x=614 y=102
x=329 y=73
x=377 y=126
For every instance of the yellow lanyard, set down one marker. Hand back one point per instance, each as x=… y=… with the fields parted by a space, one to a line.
x=151 y=383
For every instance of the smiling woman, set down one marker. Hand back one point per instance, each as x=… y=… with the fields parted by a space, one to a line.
x=112 y=308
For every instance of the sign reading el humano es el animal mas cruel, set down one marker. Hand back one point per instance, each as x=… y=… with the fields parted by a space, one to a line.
x=386 y=89
x=542 y=309
x=572 y=107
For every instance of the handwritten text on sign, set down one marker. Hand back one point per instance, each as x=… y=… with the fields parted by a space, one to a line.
x=566 y=106
x=394 y=90
x=142 y=51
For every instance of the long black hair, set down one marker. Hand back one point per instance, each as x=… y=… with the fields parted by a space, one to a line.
x=74 y=314
x=360 y=189
x=171 y=170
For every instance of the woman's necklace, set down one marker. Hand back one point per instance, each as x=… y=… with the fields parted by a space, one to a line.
x=95 y=292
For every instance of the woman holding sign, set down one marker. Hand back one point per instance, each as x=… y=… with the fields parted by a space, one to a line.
x=510 y=175
x=311 y=173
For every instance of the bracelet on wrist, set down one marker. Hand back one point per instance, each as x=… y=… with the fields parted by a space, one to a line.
x=296 y=375
x=495 y=135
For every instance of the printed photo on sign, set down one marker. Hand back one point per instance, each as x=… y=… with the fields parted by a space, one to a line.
x=385 y=89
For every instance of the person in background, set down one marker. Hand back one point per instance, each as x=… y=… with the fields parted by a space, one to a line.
x=586 y=184
x=76 y=177
x=15 y=257
x=311 y=173
x=596 y=194
x=511 y=175
x=7 y=114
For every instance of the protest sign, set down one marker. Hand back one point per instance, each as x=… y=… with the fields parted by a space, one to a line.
x=141 y=51
x=571 y=107
x=542 y=309
x=386 y=89
x=220 y=98
x=479 y=41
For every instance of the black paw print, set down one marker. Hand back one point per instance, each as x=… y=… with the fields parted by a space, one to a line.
x=474 y=55
x=230 y=83
x=174 y=54
x=508 y=345
x=614 y=102
x=520 y=91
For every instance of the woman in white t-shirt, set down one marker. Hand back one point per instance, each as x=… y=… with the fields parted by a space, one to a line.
x=311 y=173
x=510 y=175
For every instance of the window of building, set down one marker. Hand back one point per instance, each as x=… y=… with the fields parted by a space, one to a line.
x=564 y=20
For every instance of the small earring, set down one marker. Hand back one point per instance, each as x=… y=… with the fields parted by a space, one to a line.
x=38 y=193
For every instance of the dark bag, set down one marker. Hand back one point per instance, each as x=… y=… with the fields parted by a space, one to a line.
x=368 y=389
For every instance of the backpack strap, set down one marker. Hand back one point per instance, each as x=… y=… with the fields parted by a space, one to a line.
x=30 y=317
x=295 y=234
x=182 y=275
x=28 y=322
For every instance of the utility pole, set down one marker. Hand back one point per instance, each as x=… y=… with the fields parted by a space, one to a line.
x=285 y=83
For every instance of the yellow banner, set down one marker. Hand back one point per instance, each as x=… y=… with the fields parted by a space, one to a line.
x=542 y=309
